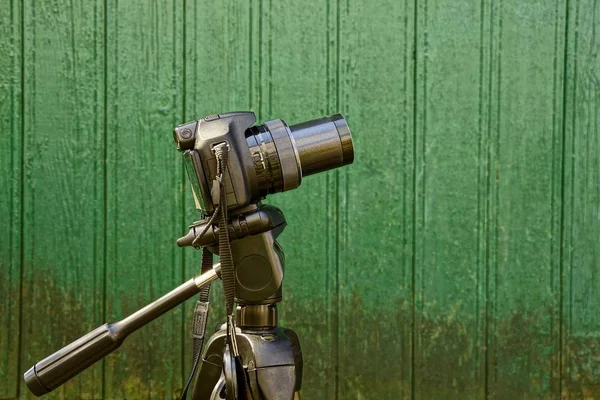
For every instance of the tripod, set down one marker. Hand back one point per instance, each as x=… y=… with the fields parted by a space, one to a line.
x=271 y=358
x=268 y=364
x=231 y=166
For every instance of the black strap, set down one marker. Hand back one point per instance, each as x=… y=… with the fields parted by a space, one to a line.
x=225 y=257
x=219 y=198
x=207 y=264
x=199 y=322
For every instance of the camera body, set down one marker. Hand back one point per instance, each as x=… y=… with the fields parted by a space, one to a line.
x=197 y=140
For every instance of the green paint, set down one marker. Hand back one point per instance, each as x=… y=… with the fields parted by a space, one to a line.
x=10 y=197
x=143 y=198
x=63 y=190
x=580 y=369
x=375 y=196
x=524 y=255
x=457 y=258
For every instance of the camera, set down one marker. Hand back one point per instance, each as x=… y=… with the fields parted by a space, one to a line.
x=263 y=159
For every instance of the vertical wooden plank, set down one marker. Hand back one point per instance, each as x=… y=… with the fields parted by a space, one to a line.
x=297 y=83
x=527 y=140
x=375 y=200
x=144 y=100
x=450 y=168
x=63 y=187
x=217 y=80
x=10 y=195
x=217 y=61
x=581 y=213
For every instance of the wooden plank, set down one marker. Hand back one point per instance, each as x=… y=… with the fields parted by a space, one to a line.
x=10 y=196
x=144 y=103
x=526 y=157
x=581 y=215
x=375 y=200
x=217 y=80
x=297 y=73
x=62 y=296
x=451 y=169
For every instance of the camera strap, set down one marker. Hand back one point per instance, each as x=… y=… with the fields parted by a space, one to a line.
x=219 y=198
x=219 y=195
x=200 y=321
x=227 y=276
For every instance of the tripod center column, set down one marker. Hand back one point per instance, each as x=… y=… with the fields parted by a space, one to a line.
x=257 y=316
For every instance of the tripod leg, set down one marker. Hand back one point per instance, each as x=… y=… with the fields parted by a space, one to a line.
x=272 y=362
x=210 y=371
x=218 y=391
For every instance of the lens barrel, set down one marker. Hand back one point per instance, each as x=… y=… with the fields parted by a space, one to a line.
x=283 y=154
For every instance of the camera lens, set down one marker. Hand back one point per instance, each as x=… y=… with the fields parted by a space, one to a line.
x=323 y=144
x=283 y=154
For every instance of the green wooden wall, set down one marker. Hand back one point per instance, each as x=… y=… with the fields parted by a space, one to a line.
x=458 y=258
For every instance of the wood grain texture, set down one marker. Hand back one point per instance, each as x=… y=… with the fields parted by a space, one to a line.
x=143 y=203
x=449 y=271
x=10 y=196
x=62 y=198
x=375 y=200
x=457 y=258
x=581 y=213
x=526 y=153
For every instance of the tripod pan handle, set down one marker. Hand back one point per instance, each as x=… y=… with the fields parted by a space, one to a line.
x=67 y=362
x=61 y=366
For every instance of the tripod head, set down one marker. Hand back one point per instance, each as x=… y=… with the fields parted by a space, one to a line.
x=257 y=257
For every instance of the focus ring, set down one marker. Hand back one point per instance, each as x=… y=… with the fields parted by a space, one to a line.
x=287 y=152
